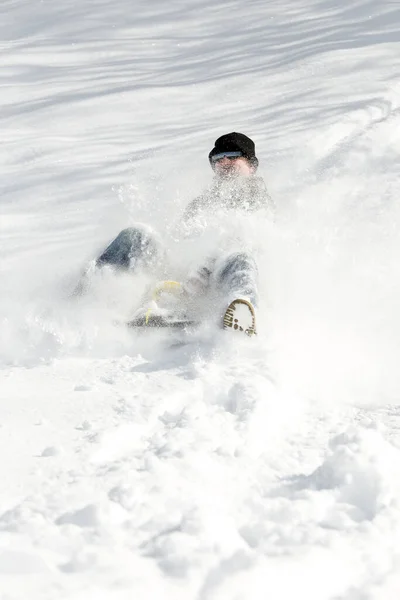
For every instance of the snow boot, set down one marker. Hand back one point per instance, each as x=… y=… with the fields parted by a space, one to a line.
x=240 y=316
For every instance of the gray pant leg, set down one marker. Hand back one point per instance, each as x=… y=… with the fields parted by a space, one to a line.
x=132 y=248
x=237 y=276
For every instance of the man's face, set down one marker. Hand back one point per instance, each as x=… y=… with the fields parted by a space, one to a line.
x=230 y=167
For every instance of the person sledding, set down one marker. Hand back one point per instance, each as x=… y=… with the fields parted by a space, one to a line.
x=235 y=187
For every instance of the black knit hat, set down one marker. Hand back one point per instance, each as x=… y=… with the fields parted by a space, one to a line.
x=235 y=142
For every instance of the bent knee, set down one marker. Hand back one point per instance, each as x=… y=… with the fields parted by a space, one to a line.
x=239 y=261
x=131 y=232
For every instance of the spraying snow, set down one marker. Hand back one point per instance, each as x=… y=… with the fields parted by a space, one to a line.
x=205 y=470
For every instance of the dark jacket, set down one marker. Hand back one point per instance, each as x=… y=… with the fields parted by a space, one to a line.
x=247 y=194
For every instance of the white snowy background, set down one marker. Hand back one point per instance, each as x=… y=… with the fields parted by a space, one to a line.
x=265 y=469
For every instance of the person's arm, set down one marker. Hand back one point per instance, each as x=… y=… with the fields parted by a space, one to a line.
x=193 y=209
x=261 y=196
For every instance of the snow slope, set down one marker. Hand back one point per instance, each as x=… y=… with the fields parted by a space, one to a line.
x=264 y=470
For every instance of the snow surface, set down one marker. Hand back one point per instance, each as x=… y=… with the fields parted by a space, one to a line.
x=207 y=471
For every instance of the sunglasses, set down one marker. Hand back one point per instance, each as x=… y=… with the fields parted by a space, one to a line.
x=231 y=155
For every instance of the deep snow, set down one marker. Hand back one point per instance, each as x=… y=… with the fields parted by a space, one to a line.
x=267 y=469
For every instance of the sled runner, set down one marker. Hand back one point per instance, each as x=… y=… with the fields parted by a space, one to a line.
x=159 y=321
